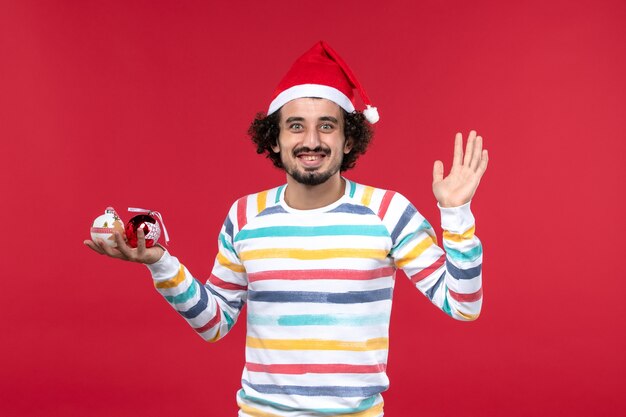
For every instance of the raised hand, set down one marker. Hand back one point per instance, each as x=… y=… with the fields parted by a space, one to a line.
x=140 y=254
x=460 y=185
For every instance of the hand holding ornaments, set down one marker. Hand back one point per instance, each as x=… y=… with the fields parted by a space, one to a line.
x=109 y=237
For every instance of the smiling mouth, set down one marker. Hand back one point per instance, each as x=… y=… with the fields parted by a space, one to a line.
x=311 y=162
x=307 y=157
x=311 y=157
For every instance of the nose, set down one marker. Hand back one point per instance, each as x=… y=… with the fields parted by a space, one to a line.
x=312 y=139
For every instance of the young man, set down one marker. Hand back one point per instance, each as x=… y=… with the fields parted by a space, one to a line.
x=315 y=259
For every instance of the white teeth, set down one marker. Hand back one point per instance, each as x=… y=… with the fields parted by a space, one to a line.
x=310 y=158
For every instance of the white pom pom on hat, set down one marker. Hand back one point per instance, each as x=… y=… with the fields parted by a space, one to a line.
x=371 y=114
x=320 y=72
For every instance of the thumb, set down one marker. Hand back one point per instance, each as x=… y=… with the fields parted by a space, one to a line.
x=437 y=171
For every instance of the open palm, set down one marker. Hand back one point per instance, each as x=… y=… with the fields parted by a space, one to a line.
x=461 y=183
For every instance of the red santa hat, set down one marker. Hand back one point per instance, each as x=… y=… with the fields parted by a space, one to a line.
x=320 y=72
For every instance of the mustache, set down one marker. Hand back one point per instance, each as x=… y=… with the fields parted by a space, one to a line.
x=317 y=149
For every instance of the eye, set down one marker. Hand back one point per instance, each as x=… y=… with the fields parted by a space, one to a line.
x=295 y=126
x=327 y=126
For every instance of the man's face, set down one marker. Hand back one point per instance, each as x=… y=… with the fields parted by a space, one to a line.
x=311 y=140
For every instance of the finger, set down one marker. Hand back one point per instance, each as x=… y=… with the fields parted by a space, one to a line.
x=458 y=150
x=122 y=247
x=477 y=153
x=469 y=148
x=141 y=243
x=91 y=245
x=109 y=250
x=482 y=167
x=437 y=172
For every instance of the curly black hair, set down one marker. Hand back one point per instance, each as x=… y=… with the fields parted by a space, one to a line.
x=264 y=131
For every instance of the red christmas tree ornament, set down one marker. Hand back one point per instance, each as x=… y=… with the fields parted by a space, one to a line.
x=148 y=221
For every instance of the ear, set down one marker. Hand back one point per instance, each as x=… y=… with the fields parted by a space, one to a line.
x=347 y=147
x=276 y=147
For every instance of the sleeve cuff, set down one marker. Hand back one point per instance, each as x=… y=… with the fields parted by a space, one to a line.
x=165 y=268
x=456 y=219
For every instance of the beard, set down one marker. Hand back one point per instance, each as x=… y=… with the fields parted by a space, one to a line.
x=312 y=176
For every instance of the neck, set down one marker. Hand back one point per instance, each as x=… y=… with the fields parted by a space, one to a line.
x=307 y=197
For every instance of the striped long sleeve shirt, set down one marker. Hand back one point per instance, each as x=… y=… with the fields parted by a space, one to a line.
x=318 y=286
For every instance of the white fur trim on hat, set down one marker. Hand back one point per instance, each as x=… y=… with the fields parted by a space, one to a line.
x=311 y=90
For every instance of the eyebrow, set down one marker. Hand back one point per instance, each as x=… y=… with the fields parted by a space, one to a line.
x=301 y=119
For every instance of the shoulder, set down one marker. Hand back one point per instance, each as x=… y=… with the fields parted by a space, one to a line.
x=251 y=205
x=379 y=200
x=393 y=209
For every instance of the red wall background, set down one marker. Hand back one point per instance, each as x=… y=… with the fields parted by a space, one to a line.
x=146 y=103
